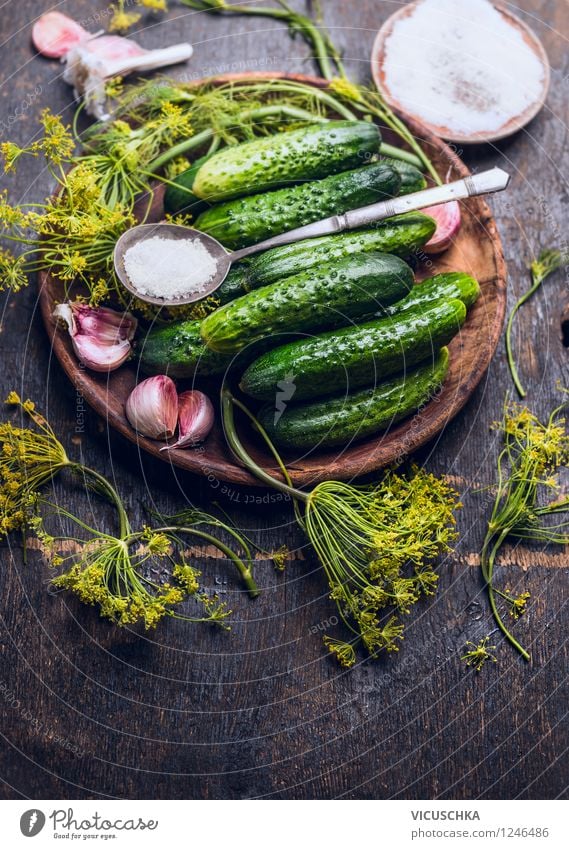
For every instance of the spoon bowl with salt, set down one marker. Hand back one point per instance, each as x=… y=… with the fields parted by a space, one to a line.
x=172 y=265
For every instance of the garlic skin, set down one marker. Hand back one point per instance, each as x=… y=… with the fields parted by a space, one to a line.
x=89 y=64
x=449 y=220
x=101 y=337
x=195 y=419
x=152 y=407
x=54 y=34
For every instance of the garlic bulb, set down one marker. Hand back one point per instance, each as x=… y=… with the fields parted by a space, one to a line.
x=91 y=59
x=89 y=64
x=152 y=407
x=54 y=34
x=101 y=337
x=195 y=419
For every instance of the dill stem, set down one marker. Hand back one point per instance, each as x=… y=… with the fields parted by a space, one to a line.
x=511 y=360
x=488 y=561
x=296 y=22
x=244 y=571
x=228 y=401
x=109 y=491
x=404 y=155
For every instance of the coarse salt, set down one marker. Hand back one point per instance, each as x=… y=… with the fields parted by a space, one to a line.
x=461 y=65
x=169 y=268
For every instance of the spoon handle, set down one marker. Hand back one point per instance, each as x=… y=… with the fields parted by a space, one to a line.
x=494 y=180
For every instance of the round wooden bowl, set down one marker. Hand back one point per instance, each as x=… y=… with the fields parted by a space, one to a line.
x=477 y=251
x=511 y=126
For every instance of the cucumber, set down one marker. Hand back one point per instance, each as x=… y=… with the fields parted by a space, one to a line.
x=179 y=197
x=356 y=356
x=400 y=235
x=412 y=180
x=448 y=285
x=329 y=296
x=342 y=419
x=248 y=220
x=308 y=153
x=178 y=350
x=236 y=283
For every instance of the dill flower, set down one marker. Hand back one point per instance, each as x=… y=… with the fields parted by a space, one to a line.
x=122 y=21
x=57 y=143
x=344 y=88
x=519 y=604
x=12 y=271
x=11 y=153
x=176 y=167
x=478 y=654
x=343 y=652
x=155 y=5
x=29 y=459
x=280 y=557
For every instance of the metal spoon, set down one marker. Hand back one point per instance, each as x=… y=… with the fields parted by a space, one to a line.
x=494 y=180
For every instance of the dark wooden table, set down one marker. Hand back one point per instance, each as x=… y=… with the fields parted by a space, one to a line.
x=91 y=711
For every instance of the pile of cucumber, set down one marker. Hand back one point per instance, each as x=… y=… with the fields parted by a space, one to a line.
x=331 y=334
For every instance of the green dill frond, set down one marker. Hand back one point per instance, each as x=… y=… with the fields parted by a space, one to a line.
x=527 y=465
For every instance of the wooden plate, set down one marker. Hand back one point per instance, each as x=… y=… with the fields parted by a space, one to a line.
x=477 y=250
x=511 y=126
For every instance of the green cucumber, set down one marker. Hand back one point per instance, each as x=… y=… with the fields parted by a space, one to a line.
x=328 y=296
x=308 y=153
x=179 y=197
x=400 y=235
x=361 y=355
x=178 y=350
x=342 y=419
x=236 y=283
x=448 y=285
x=412 y=180
x=248 y=220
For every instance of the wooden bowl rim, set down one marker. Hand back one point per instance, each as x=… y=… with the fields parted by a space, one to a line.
x=225 y=468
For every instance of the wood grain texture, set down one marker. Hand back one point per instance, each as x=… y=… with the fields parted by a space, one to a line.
x=477 y=250
x=91 y=712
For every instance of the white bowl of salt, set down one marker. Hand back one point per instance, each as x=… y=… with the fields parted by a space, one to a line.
x=470 y=70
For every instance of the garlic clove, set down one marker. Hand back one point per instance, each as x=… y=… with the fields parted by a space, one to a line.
x=152 y=407
x=106 y=325
x=195 y=419
x=448 y=219
x=54 y=34
x=113 y=48
x=100 y=336
x=98 y=357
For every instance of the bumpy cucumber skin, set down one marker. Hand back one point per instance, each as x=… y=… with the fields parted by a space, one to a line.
x=308 y=153
x=329 y=296
x=400 y=235
x=346 y=418
x=236 y=283
x=178 y=350
x=448 y=285
x=412 y=180
x=356 y=356
x=248 y=220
